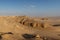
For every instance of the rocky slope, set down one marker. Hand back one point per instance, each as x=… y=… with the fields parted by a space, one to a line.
x=14 y=25
x=26 y=28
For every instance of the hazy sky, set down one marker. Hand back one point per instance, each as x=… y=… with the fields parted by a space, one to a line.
x=30 y=7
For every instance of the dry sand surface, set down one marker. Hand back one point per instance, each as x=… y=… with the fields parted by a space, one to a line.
x=28 y=28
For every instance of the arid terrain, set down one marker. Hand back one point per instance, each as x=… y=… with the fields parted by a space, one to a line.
x=29 y=28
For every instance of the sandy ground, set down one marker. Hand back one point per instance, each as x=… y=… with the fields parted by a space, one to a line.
x=12 y=24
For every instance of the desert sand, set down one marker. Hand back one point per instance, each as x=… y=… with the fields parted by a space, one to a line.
x=29 y=28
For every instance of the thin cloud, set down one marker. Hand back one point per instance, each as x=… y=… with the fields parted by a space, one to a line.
x=32 y=6
x=29 y=6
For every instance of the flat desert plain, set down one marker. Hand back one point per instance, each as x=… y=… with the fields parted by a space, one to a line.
x=29 y=28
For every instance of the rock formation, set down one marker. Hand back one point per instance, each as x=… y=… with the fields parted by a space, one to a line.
x=13 y=27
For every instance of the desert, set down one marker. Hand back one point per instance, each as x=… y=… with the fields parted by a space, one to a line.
x=29 y=28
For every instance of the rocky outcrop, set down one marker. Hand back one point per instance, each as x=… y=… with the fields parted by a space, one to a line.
x=30 y=22
x=13 y=27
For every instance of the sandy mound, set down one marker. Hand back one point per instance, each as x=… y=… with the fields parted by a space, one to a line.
x=14 y=27
x=17 y=25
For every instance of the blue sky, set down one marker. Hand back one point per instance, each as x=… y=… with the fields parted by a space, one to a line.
x=30 y=7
